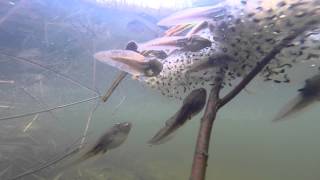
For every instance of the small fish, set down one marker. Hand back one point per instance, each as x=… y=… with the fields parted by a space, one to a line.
x=130 y=62
x=308 y=95
x=191 y=106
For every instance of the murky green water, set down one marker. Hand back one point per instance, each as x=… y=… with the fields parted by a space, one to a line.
x=63 y=37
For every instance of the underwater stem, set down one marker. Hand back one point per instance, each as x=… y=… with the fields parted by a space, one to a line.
x=200 y=157
x=214 y=104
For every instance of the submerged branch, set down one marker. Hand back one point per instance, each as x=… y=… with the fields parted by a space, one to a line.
x=200 y=158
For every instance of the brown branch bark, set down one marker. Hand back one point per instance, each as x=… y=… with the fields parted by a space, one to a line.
x=201 y=154
x=200 y=157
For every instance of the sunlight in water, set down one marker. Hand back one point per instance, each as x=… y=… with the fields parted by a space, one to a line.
x=153 y=3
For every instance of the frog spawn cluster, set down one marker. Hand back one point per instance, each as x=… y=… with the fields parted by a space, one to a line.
x=245 y=31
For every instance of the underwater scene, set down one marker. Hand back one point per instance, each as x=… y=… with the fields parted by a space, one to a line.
x=159 y=90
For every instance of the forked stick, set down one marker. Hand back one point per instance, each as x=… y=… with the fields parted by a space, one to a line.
x=200 y=158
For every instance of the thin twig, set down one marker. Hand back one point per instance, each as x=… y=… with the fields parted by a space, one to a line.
x=39 y=101
x=118 y=106
x=85 y=132
x=114 y=85
x=49 y=109
x=28 y=126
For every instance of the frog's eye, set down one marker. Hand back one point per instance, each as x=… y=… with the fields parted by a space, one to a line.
x=154 y=69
